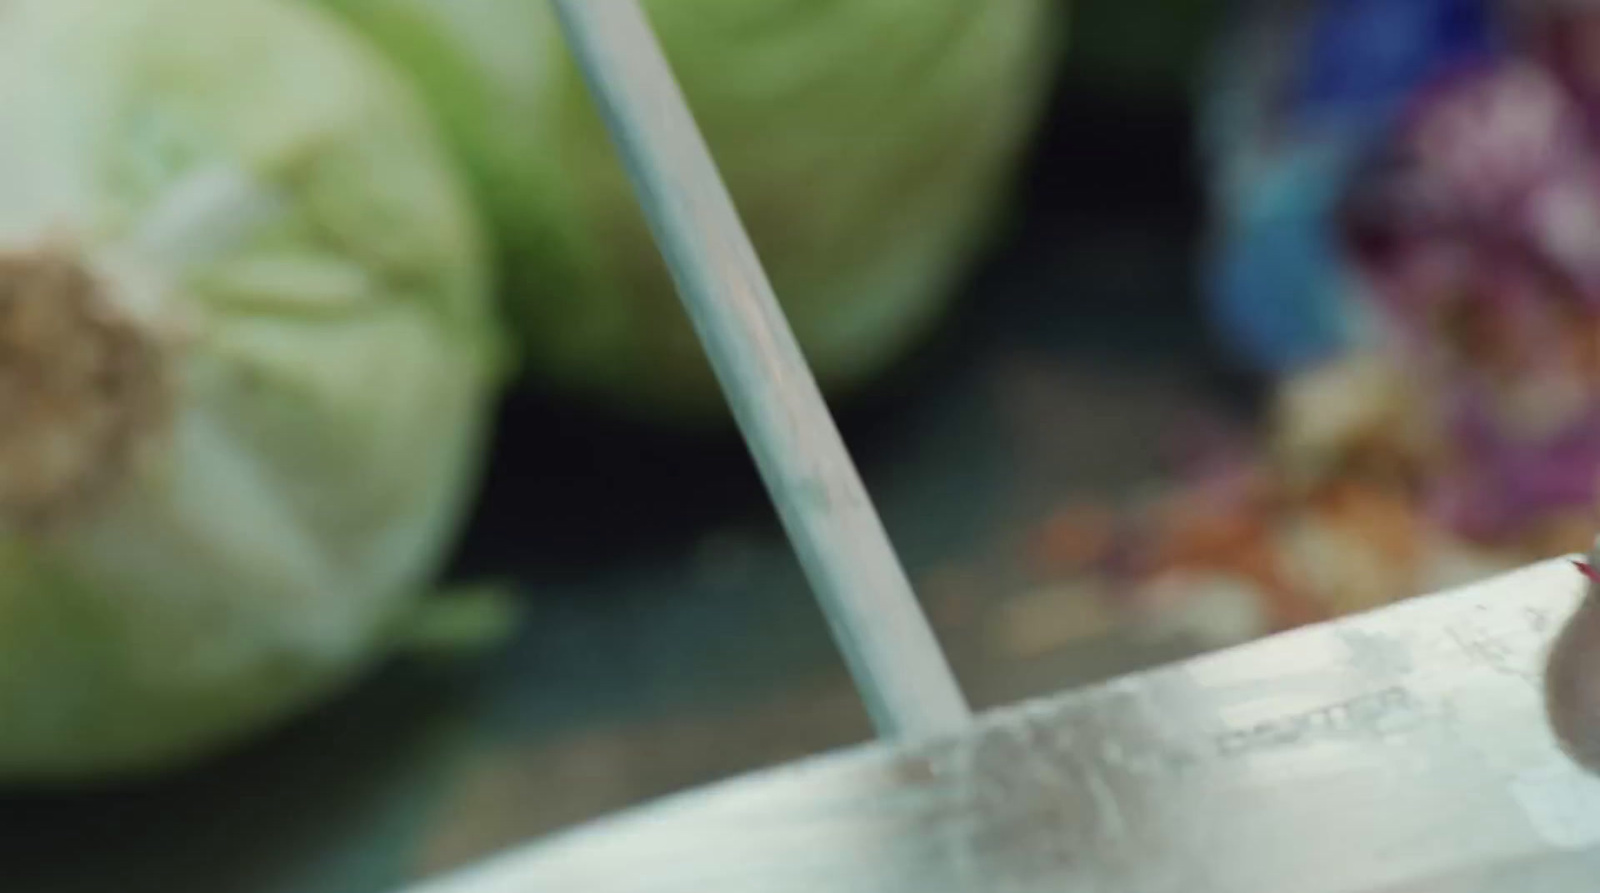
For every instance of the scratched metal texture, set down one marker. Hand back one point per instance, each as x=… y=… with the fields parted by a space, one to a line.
x=1405 y=751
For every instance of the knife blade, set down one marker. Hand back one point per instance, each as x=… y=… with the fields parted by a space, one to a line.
x=1402 y=751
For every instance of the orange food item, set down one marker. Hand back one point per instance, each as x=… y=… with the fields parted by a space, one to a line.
x=1072 y=540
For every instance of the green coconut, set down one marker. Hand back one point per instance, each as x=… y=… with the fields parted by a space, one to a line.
x=868 y=146
x=247 y=357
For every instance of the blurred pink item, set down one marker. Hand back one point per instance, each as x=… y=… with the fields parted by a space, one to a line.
x=1479 y=234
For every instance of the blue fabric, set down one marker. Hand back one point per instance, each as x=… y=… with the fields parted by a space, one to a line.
x=1362 y=53
x=1276 y=284
x=1278 y=297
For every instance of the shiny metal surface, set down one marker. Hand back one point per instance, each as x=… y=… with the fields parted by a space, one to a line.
x=1405 y=751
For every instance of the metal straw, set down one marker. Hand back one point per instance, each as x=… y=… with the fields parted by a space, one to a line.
x=908 y=687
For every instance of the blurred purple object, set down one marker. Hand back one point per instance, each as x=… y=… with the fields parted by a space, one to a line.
x=1509 y=486
x=1478 y=232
